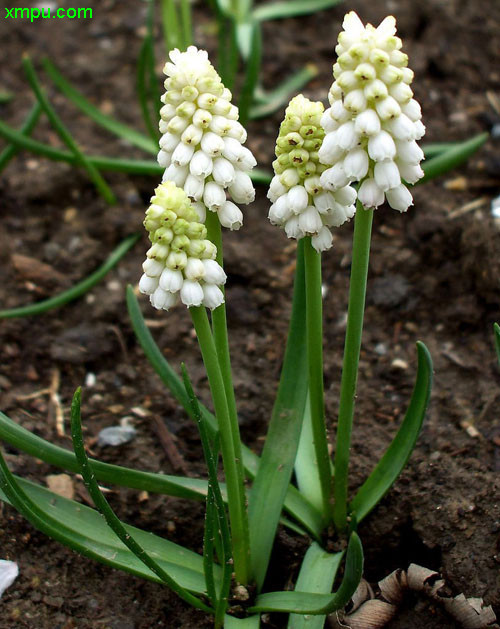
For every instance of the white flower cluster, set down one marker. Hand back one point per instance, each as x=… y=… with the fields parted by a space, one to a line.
x=300 y=204
x=181 y=262
x=201 y=143
x=374 y=122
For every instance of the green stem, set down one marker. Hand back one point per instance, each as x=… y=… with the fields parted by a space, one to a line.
x=187 y=24
x=231 y=456
x=219 y=330
x=170 y=21
x=355 y=313
x=314 y=332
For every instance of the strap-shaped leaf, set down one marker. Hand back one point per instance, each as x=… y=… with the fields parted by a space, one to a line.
x=251 y=622
x=83 y=529
x=132 y=166
x=310 y=603
x=29 y=124
x=179 y=486
x=216 y=512
x=269 y=102
x=277 y=459
x=496 y=329
x=80 y=158
x=317 y=574
x=451 y=158
x=306 y=469
x=296 y=504
x=253 y=33
x=24 y=440
x=116 y=127
x=397 y=454
x=146 y=85
x=78 y=289
x=291 y=8
x=127 y=538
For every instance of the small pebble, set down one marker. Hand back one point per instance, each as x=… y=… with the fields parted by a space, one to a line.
x=399 y=363
x=380 y=349
x=9 y=571
x=90 y=380
x=116 y=435
x=495 y=207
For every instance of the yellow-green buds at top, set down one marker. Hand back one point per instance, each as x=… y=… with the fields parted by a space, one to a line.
x=202 y=141
x=373 y=124
x=181 y=261
x=299 y=202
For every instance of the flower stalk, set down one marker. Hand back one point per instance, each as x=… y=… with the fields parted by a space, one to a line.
x=231 y=455
x=314 y=332
x=357 y=294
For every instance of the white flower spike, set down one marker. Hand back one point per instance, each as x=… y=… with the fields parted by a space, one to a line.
x=202 y=140
x=373 y=122
x=181 y=262
x=300 y=204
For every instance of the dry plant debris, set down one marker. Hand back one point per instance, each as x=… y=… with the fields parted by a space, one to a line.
x=370 y=612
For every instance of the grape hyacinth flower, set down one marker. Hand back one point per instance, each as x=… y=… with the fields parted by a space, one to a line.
x=202 y=141
x=373 y=123
x=181 y=261
x=300 y=204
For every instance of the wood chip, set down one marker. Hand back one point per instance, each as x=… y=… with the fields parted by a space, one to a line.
x=169 y=445
x=468 y=207
x=369 y=612
x=61 y=484
x=36 y=271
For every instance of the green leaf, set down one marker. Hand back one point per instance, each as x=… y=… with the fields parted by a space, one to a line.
x=146 y=86
x=137 y=167
x=108 y=122
x=496 y=330
x=291 y=8
x=178 y=486
x=269 y=102
x=276 y=464
x=317 y=574
x=251 y=71
x=397 y=454
x=187 y=24
x=83 y=529
x=214 y=498
x=78 y=289
x=251 y=622
x=127 y=538
x=29 y=124
x=24 y=440
x=296 y=504
x=311 y=603
x=170 y=22
x=306 y=469
x=64 y=134
x=452 y=157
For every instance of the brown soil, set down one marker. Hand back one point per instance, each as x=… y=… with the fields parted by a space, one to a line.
x=432 y=277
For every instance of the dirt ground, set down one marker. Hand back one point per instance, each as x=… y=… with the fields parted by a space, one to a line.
x=434 y=276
